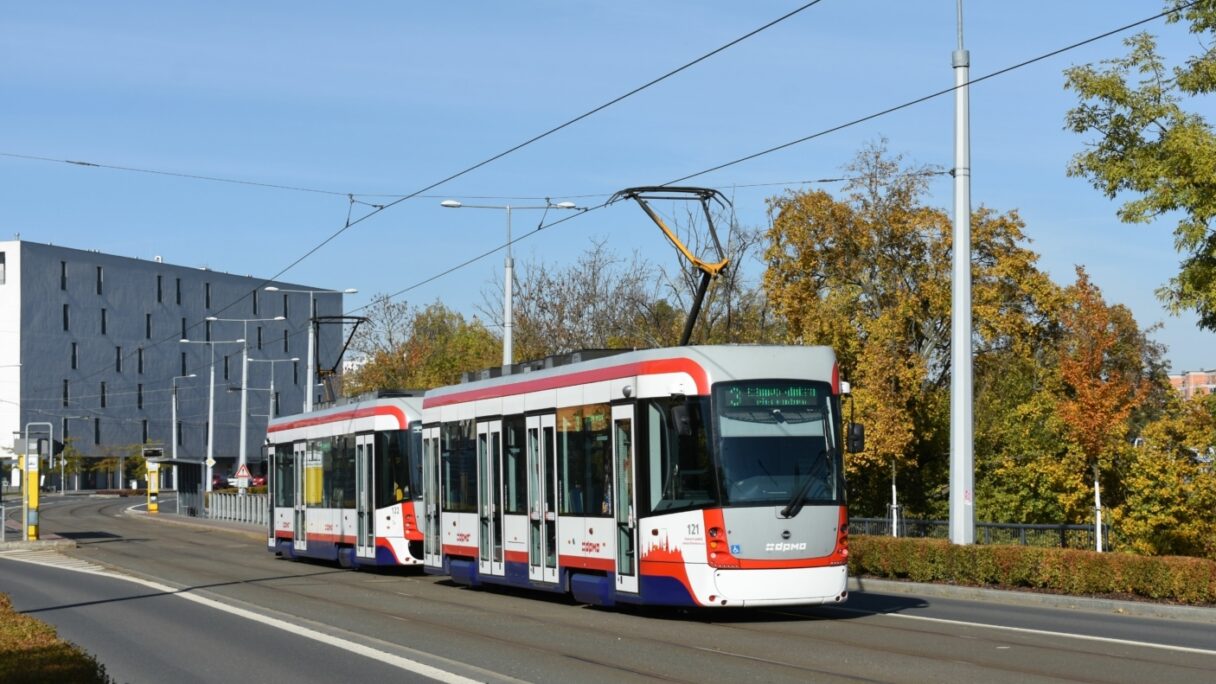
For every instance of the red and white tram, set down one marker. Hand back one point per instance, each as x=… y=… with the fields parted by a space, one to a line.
x=344 y=482
x=701 y=476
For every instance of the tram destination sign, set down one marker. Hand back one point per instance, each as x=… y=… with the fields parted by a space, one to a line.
x=772 y=395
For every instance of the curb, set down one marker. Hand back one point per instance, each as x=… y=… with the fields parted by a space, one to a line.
x=1027 y=598
x=40 y=544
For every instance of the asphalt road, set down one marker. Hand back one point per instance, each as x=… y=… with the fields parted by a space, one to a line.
x=489 y=635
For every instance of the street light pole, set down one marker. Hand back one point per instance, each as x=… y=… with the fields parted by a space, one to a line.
x=508 y=318
x=312 y=334
x=241 y=458
x=210 y=463
x=173 y=434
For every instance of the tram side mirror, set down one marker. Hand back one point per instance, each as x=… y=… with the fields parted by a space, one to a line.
x=857 y=438
x=679 y=415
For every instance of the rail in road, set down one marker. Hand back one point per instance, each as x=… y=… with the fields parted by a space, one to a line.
x=516 y=636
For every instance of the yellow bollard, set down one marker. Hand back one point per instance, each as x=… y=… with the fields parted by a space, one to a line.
x=31 y=489
x=153 y=487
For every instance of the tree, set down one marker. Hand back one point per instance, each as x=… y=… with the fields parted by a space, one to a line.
x=410 y=348
x=1170 y=506
x=601 y=301
x=1148 y=145
x=869 y=275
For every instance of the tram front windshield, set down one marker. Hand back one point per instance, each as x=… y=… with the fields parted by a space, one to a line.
x=776 y=442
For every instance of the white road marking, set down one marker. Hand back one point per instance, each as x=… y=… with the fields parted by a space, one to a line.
x=1040 y=632
x=57 y=560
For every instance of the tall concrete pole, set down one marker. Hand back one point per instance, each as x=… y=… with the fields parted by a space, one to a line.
x=962 y=470
x=507 y=317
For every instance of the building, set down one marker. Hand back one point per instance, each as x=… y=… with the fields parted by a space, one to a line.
x=1194 y=383
x=91 y=344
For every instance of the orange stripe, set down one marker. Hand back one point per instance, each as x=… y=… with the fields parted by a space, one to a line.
x=652 y=367
x=343 y=416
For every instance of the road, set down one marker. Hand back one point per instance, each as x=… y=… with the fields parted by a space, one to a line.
x=413 y=620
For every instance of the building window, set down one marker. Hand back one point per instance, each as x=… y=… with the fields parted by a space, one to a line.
x=65 y=393
x=284 y=306
x=285 y=350
x=259 y=338
x=97 y=431
x=184 y=335
x=207 y=327
x=226 y=357
x=207 y=295
x=179 y=291
x=139 y=399
x=100 y=279
x=206 y=432
x=118 y=359
x=147 y=326
x=103 y=321
x=103 y=394
x=140 y=364
x=276 y=403
x=178 y=429
x=66 y=318
x=255 y=302
x=184 y=372
x=63 y=429
x=295 y=372
x=160 y=289
x=63 y=275
x=75 y=356
x=145 y=440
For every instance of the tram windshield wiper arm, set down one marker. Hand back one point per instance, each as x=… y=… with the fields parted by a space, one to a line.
x=799 y=499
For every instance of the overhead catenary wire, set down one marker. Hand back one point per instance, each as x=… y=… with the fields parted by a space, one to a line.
x=734 y=162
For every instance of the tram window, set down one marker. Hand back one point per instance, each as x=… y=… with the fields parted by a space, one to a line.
x=679 y=470
x=341 y=473
x=515 y=480
x=585 y=460
x=393 y=483
x=284 y=476
x=459 y=465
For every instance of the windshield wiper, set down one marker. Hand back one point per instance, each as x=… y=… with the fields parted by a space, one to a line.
x=799 y=499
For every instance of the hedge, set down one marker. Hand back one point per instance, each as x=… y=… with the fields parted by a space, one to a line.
x=1065 y=571
x=32 y=653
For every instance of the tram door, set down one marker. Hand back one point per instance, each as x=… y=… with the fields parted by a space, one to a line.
x=300 y=517
x=624 y=499
x=432 y=546
x=489 y=494
x=365 y=511
x=542 y=513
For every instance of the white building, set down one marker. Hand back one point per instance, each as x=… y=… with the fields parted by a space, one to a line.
x=90 y=343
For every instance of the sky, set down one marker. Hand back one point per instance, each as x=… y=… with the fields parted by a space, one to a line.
x=383 y=99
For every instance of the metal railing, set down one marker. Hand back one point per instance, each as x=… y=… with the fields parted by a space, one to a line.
x=1061 y=536
x=251 y=508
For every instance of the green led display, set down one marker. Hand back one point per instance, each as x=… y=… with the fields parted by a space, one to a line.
x=771 y=396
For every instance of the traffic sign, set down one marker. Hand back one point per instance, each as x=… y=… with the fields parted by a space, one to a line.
x=243 y=471
x=210 y=462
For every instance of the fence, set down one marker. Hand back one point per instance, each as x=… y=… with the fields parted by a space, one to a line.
x=251 y=508
x=1062 y=536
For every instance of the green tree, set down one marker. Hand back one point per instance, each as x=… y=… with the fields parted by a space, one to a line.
x=1149 y=146
x=428 y=347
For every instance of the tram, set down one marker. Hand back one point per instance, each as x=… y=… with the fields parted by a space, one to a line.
x=690 y=476
x=345 y=482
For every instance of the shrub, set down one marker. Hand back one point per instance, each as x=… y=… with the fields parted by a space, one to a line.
x=1067 y=571
x=32 y=653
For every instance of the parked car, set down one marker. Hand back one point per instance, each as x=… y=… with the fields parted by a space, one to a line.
x=219 y=481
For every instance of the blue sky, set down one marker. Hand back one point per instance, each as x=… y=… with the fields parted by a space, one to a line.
x=389 y=97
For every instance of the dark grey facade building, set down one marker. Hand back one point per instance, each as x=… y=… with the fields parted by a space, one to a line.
x=91 y=343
